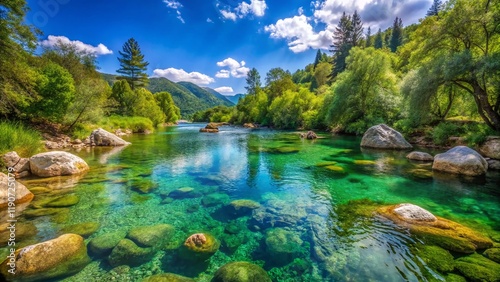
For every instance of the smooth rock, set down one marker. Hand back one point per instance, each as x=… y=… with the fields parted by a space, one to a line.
x=63 y=256
x=241 y=271
x=22 y=194
x=128 y=253
x=491 y=148
x=461 y=160
x=83 y=229
x=151 y=236
x=493 y=164
x=167 y=277
x=249 y=125
x=199 y=246
x=420 y=156
x=102 y=137
x=412 y=213
x=384 y=137
x=103 y=244
x=20 y=165
x=57 y=163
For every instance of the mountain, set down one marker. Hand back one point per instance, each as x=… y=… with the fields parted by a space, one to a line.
x=235 y=98
x=189 y=97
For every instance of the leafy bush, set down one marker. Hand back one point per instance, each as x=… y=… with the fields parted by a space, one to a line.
x=17 y=137
x=136 y=124
x=443 y=131
x=477 y=133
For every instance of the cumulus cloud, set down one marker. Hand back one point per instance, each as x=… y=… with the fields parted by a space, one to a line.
x=173 y=4
x=300 y=34
x=177 y=75
x=236 y=69
x=224 y=89
x=53 y=41
x=255 y=7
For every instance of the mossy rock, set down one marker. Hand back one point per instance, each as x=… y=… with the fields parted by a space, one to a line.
x=286 y=150
x=128 y=253
x=335 y=168
x=436 y=258
x=421 y=173
x=478 y=268
x=151 y=236
x=60 y=257
x=143 y=185
x=244 y=205
x=326 y=163
x=168 y=277
x=215 y=199
x=42 y=212
x=83 y=229
x=493 y=254
x=283 y=246
x=184 y=193
x=40 y=190
x=62 y=201
x=241 y=271
x=451 y=277
x=22 y=231
x=103 y=244
x=199 y=246
x=364 y=162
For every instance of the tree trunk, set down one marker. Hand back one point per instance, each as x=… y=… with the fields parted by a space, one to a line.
x=490 y=116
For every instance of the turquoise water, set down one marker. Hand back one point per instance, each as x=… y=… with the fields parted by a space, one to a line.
x=304 y=229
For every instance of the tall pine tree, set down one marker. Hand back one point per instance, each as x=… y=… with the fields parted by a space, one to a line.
x=253 y=82
x=319 y=55
x=379 y=40
x=397 y=34
x=132 y=65
x=369 y=38
x=342 y=43
x=436 y=7
x=356 y=29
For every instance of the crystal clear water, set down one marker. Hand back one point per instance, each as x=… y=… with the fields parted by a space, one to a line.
x=305 y=190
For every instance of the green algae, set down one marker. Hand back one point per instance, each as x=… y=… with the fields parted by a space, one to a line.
x=241 y=272
x=436 y=258
x=104 y=243
x=151 y=236
x=493 y=254
x=83 y=229
x=128 y=253
x=478 y=268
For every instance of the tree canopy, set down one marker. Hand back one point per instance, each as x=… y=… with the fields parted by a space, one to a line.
x=133 y=65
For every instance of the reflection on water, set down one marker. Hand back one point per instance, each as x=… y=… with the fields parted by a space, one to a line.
x=307 y=226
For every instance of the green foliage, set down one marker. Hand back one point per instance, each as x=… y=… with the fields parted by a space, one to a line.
x=397 y=34
x=294 y=109
x=253 y=81
x=136 y=124
x=132 y=64
x=252 y=108
x=17 y=137
x=89 y=104
x=477 y=133
x=56 y=91
x=124 y=98
x=365 y=93
x=145 y=106
x=216 y=114
x=168 y=107
x=379 y=40
x=442 y=132
x=436 y=7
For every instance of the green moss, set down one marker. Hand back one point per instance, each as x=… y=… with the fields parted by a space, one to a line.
x=454 y=278
x=244 y=205
x=151 y=236
x=364 y=162
x=83 y=229
x=143 y=185
x=63 y=201
x=128 y=253
x=241 y=272
x=42 y=212
x=214 y=199
x=195 y=249
x=103 y=244
x=478 y=268
x=436 y=258
x=493 y=254
x=167 y=277
x=283 y=245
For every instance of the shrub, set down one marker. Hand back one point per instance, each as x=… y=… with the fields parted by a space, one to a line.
x=443 y=131
x=17 y=137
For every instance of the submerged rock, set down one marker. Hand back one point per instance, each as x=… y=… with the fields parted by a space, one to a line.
x=103 y=244
x=151 y=236
x=63 y=256
x=420 y=156
x=22 y=194
x=128 y=253
x=83 y=229
x=493 y=254
x=22 y=231
x=283 y=246
x=57 y=163
x=461 y=160
x=436 y=258
x=241 y=271
x=184 y=193
x=143 y=186
x=199 y=246
x=439 y=231
x=63 y=201
x=215 y=199
x=101 y=137
x=384 y=137
x=168 y=277
x=242 y=207
x=478 y=268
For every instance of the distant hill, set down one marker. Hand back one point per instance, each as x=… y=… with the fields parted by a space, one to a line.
x=189 y=97
x=235 y=98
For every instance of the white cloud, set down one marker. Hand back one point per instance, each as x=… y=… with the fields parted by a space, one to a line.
x=224 y=89
x=209 y=20
x=177 y=75
x=256 y=8
x=173 y=4
x=53 y=41
x=228 y=15
x=300 y=11
x=300 y=34
x=222 y=74
x=236 y=69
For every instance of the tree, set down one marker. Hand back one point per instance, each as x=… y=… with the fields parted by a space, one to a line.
x=146 y=106
x=397 y=34
x=17 y=40
x=379 y=40
x=318 y=58
x=124 y=97
x=56 y=91
x=369 y=38
x=321 y=73
x=132 y=65
x=167 y=105
x=342 y=43
x=365 y=94
x=463 y=48
x=253 y=81
x=356 y=29
x=292 y=109
x=277 y=82
x=436 y=7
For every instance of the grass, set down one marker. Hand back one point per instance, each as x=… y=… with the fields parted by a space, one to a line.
x=17 y=137
x=112 y=123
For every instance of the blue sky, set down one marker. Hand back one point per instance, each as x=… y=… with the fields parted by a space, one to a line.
x=210 y=42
